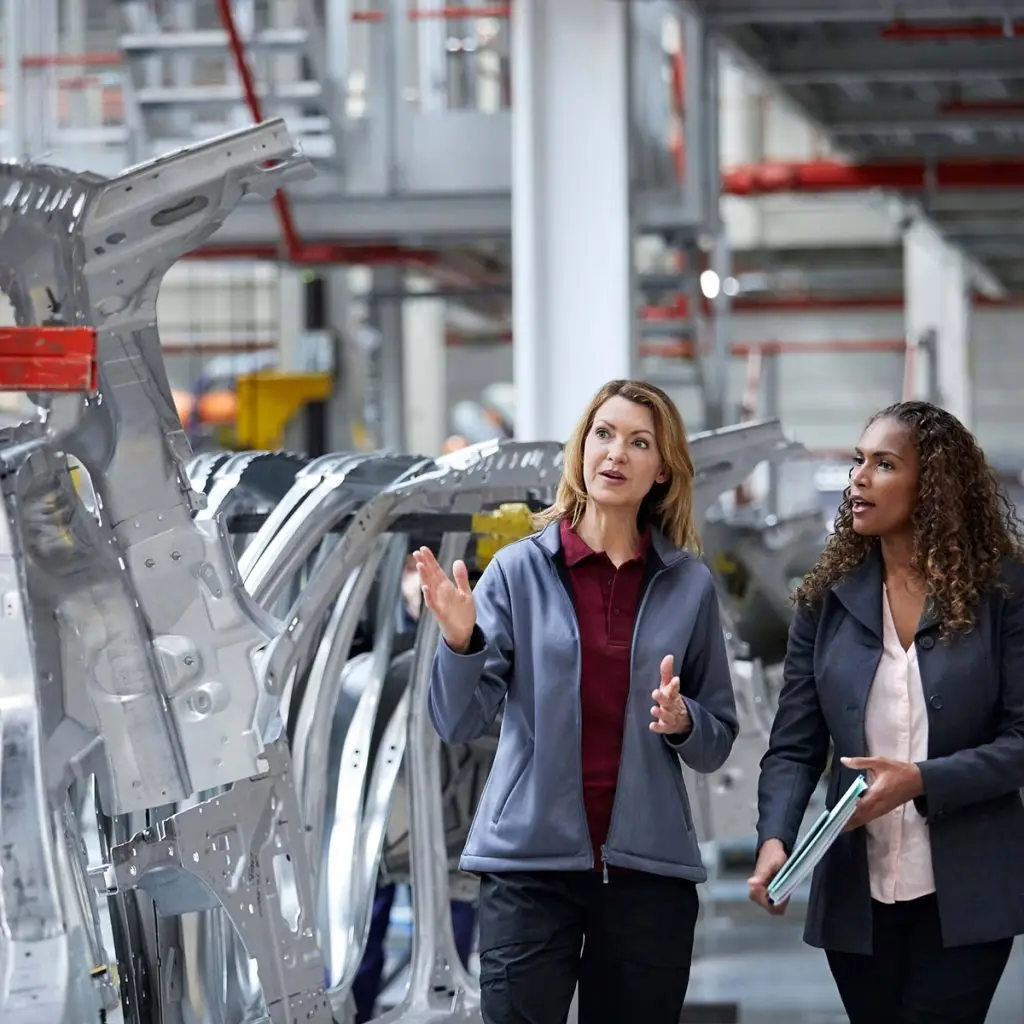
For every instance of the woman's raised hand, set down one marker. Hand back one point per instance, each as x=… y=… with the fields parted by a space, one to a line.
x=450 y=603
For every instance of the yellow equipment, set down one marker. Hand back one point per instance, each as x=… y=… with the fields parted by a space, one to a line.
x=493 y=530
x=268 y=400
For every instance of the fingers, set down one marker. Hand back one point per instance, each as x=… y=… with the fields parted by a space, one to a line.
x=863 y=764
x=758 y=893
x=667 y=695
x=461 y=575
x=669 y=716
x=667 y=664
x=426 y=565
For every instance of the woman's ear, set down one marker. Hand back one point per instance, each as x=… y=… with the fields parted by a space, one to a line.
x=662 y=476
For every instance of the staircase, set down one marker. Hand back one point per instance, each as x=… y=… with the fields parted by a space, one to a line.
x=183 y=84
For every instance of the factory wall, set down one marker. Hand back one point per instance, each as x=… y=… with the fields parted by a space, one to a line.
x=825 y=397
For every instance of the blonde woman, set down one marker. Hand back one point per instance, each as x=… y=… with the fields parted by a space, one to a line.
x=600 y=637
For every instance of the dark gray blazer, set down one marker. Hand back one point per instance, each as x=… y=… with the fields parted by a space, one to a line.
x=974 y=688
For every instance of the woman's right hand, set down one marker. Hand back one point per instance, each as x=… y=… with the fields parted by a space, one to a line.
x=770 y=860
x=450 y=603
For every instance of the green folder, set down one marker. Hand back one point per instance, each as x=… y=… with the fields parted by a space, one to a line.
x=814 y=845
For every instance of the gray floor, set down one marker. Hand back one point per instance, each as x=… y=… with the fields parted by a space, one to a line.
x=743 y=955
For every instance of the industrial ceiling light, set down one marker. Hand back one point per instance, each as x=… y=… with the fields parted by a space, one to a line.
x=709 y=284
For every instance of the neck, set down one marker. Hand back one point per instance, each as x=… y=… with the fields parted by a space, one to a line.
x=613 y=531
x=897 y=556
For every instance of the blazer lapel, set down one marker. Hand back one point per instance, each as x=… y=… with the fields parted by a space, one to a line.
x=861 y=592
x=929 y=618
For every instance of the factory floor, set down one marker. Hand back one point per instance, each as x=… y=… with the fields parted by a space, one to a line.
x=744 y=957
x=761 y=962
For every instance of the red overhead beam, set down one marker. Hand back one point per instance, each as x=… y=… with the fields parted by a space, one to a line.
x=1004 y=105
x=438 y=13
x=832 y=176
x=924 y=31
x=48 y=359
x=324 y=253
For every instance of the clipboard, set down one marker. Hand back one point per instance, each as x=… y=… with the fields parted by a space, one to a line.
x=815 y=844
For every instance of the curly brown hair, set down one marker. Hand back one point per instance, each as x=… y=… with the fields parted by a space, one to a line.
x=964 y=523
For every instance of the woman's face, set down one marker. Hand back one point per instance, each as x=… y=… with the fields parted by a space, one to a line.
x=621 y=461
x=883 y=482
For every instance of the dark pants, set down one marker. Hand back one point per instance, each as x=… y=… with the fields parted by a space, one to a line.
x=627 y=943
x=366 y=986
x=910 y=978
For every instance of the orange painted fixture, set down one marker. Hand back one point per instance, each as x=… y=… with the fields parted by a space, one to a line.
x=48 y=359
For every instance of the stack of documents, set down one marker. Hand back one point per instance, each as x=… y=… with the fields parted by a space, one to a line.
x=822 y=834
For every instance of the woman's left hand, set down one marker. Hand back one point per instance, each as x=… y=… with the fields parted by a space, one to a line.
x=891 y=785
x=669 y=712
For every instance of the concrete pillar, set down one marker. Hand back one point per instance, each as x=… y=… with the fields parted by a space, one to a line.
x=388 y=317
x=572 y=233
x=14 y=80
x=425 y=393
x=937 y=299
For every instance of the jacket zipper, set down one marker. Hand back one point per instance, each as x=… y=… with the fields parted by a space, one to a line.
x=632 y=652
x=579 y=716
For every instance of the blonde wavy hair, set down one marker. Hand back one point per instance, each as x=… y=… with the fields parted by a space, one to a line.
x=669 y=505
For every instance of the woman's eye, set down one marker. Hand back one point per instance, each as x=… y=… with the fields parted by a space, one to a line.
x=885 y=465
x=642 y=443
x=601 y=432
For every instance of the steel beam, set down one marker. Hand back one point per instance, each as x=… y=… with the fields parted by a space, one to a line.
x=793 y=12
x=920 y=118
x=864 y=60
x=319 y=216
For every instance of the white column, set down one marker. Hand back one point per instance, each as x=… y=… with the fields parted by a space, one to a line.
x=937 y=297
x=423 y=348
x=572 y=239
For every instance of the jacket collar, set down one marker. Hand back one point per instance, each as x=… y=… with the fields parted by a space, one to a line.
x=549 y=540
x=860 y=592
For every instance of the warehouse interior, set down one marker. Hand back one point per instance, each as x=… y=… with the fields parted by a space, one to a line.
x=790 y=213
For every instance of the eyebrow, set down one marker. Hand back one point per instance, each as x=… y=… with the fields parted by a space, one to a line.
x=880 y=452
x=605 y=423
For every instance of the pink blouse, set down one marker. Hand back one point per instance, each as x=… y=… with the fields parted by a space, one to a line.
x=896 y=725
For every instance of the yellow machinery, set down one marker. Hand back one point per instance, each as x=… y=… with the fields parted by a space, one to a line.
x=269 y=399
x=493 y=530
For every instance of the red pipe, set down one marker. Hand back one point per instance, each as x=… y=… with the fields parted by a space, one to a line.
x=339 y=253
x=904 y=31
x=982 y=107
x=438 y=13
x=831 y=176
x=686 y=349
x=295 y=249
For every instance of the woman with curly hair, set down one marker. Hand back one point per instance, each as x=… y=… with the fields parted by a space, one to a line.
x=906 y=658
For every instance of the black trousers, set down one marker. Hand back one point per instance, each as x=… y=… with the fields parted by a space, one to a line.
x=910 y=978
x=627 y=943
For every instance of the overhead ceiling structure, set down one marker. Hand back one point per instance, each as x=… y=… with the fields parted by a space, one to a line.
x=929 y=93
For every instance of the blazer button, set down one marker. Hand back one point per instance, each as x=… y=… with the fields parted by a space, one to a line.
x=936 y=702
x=927 y=642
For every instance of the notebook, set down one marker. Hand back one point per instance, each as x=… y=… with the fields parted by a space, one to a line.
x=815 y=844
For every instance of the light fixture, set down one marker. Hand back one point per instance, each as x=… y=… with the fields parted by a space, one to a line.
x=709 y=284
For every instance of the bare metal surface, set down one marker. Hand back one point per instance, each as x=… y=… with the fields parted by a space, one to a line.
x=243 y=851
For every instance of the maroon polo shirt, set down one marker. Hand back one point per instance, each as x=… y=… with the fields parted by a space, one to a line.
x=606 y=602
